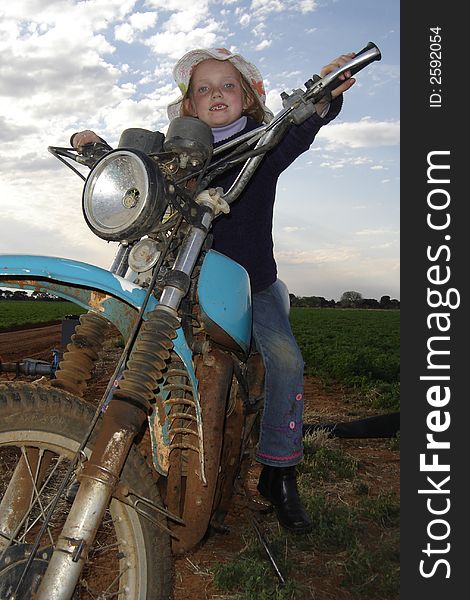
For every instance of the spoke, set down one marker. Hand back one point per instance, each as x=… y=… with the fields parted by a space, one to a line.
x=39 y=460
x=46 y=483
x=15 y=536
x=35 y=490
x=106 y=593
x=40 y=452
x=57 y=464
x=43 y=487
x=84 y=585
x=100 y=549
x=23 y=537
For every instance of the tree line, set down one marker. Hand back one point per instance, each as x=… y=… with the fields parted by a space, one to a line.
x=350 y=299
x=23 y=295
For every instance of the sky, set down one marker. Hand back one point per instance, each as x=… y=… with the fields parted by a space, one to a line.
x=106 y=65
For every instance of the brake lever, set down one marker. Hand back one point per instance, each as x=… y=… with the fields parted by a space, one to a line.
x=94 y=152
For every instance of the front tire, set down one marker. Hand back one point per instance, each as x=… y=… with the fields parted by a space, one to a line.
x=131 y=556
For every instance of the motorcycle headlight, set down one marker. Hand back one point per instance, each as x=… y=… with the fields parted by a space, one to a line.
x=123 y=196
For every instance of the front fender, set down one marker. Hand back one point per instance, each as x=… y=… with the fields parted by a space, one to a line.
x=93 y=288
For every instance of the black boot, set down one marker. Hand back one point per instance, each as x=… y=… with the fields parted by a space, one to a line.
x=279 y=486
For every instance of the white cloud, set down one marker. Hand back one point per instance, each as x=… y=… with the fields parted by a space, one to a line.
x=273 y=99
x=293 y=229
x=259 y=30
x=262 y=8
x=137 y=22
x=64 y=67
x=321 y=255
x=263 y=45
x=175 y=44
x=174 y=5
x=143 y=21
x=124 y=33
x=366 y=133
x=373 y=232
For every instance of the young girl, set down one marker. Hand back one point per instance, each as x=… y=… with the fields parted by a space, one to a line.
x=226 y=92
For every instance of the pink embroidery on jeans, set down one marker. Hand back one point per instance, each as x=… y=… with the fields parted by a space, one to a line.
x=295 y=455
x=292 y=425
x=298 y=397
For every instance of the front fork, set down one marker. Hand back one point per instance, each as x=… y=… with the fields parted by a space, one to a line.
x=97 y=483
x=123 y=419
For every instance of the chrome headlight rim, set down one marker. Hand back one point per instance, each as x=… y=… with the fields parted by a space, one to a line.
x=145 y=217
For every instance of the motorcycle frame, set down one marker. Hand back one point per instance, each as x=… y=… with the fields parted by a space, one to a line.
x=120 y=301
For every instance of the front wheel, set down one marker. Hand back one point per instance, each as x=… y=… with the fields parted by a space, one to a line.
x=40 y=431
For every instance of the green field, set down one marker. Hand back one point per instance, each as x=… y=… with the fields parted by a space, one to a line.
x=355 y=543
x=359 y=349
x=356 y=521
x=23 y=312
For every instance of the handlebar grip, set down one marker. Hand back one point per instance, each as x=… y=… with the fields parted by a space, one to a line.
x=375 y=55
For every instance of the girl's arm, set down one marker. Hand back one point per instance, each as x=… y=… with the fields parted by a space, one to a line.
x=299 y=138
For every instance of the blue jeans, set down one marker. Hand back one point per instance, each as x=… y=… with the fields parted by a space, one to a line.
x=280 y=441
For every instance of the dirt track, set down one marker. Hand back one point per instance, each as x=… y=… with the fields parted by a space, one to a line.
x=379 y=467
x=35 y=343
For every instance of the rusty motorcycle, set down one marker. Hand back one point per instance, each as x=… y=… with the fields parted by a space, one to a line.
x=84 y=513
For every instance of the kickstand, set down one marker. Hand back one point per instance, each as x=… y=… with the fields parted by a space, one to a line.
x=264 y=542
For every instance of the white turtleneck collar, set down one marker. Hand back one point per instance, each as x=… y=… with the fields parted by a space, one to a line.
x=222 y=133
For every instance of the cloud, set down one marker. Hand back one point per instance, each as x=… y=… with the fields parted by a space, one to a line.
x=142 y=21
x=316 y=257
x=137 y=22
x=11 y=131
x=106 y=65
x=176 y=43
x=124 y=33
x=262 y=8
x=293 y=229
x=374 y=232
x=330 y=270
x=366 y=133
x=24 y=237
x=334 y=162
x=263 y=45
x=371 y=276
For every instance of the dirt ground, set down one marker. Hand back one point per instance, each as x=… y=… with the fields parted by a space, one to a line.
x=379 y=467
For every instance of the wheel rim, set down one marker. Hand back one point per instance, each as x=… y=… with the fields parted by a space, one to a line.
x=117 y=564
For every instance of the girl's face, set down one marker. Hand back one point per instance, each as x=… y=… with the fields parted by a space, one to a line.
x=216 y=95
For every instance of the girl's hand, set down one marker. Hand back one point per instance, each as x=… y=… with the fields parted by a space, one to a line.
x=81 y=138
x=346 y=77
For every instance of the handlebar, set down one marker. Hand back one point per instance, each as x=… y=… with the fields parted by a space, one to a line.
x=255 y=143
x=270 y=133
x=364 y=57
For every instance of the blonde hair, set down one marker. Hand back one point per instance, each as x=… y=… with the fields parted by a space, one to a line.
x=254 y=108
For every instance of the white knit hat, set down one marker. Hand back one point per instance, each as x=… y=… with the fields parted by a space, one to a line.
x=184 y=68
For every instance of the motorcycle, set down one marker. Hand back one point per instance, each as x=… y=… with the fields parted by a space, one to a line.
x=97 y=499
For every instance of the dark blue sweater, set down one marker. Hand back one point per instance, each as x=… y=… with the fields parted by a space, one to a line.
x=245 y=234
